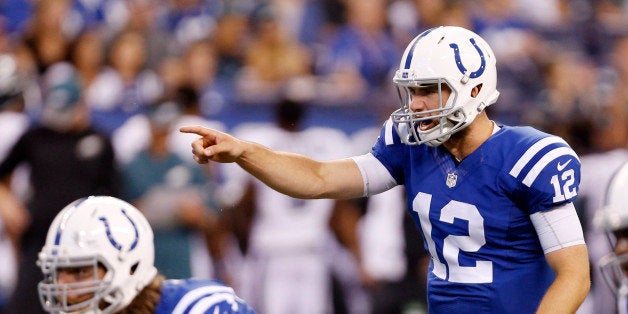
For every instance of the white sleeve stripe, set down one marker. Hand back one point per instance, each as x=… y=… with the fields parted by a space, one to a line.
x=533 y=150
x=558 y=228
x=207 y=302
x=193 y=295
x=544 y=161
x=376 y=177
x=388 y=133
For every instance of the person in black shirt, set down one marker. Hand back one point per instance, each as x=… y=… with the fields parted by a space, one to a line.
x=68 y=160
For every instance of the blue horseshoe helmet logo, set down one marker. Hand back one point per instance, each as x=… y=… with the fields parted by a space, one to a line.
x=113 y=241
x=461 y=67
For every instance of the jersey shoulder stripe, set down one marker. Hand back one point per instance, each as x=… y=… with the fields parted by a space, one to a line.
x=199 y=296
x=531 y=152
x=538 y=156
x=389 y=132
x=544 y=161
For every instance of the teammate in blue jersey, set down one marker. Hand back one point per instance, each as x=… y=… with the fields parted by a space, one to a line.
x=613 y=219
x=493 y=202
x=98 y=258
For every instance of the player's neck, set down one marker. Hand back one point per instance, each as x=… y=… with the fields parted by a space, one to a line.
x=465 y=142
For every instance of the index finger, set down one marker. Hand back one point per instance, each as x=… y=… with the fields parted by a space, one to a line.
x=197 y=129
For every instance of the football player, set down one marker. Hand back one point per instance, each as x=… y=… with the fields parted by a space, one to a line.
x=494 y=202
x=287 y=237
x=613 y=219
x=98 y=258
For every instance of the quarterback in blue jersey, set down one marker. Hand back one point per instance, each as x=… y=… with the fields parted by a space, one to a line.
x=493 y=202
x=98 y=258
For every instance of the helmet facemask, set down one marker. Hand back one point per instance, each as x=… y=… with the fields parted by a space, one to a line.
x=57 y=297
x=612 y=268
x=446 y=117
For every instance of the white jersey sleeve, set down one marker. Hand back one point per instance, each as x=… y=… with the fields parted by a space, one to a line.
x=376 y=177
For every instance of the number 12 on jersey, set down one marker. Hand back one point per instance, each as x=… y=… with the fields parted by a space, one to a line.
x=450 y=269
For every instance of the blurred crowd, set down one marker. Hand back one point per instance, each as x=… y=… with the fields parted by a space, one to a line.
x=242 y=55
x=116 y=78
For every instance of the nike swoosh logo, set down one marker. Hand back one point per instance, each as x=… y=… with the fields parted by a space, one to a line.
x=561 y=167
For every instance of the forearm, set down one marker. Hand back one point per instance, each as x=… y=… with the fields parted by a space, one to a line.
x=564 y=296
x=344 y=223
x=571 y=285
x=300 y=176
x=13 y=213
x=291 y=174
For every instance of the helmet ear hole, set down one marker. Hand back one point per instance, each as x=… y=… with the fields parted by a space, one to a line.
x=134 y=267
x=476 y=90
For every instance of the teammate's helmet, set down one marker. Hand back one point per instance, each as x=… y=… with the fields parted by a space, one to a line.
x=9 y=79
x=97 y=231
x=444 y=55
x=613 y=219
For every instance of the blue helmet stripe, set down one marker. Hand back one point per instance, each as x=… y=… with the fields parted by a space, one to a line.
x=411 y=51
x=65 y=218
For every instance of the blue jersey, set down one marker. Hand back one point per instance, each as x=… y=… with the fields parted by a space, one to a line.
x=200 y=296
x=475 y=215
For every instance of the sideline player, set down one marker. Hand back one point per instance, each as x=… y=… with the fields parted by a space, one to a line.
x=613 y=219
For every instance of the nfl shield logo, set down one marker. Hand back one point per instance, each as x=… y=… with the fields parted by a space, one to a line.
x=452 y=178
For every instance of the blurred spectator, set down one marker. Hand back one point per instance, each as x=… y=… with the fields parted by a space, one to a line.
x=50 y=32
x=14 y=123
x=172 y=195
x=272 y=61
x=68 y=160
x=360 y=57
x=88 y=56
x=230 y=37
x=189 y=21
x=134 y=137
x=145 y=17
x=12 y=118
x=201 y=64
x=305 y=20
x=125 y=86
x=612 y=119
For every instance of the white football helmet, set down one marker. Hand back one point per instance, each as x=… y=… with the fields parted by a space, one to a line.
x=613 y=219
x=93 y=231
x=444 y=55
